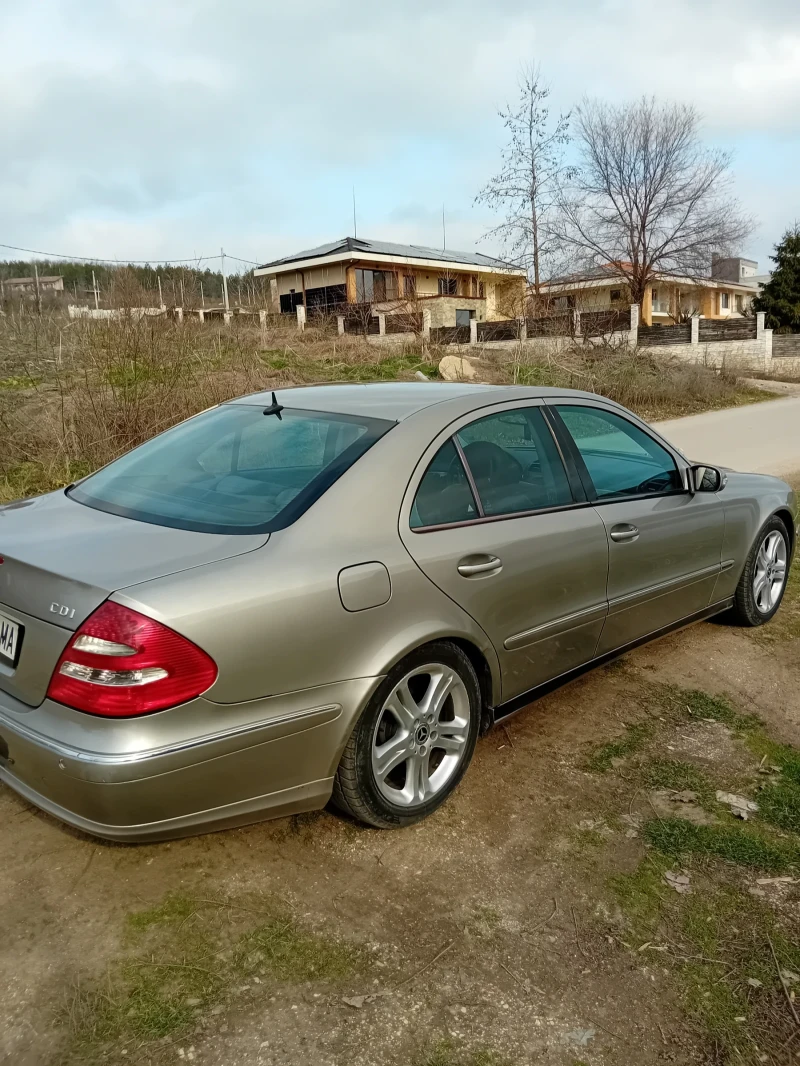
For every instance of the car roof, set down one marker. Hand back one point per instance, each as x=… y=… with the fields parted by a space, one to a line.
x=397 y=400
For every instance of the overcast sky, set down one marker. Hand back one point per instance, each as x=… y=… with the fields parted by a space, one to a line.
x=157 y=130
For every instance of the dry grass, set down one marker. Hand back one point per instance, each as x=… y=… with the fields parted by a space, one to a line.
x=76 y=394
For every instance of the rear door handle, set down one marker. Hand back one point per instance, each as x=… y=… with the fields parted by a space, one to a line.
x=473 y=565
x=624 y=533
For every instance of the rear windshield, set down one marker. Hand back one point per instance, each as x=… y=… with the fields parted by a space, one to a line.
x=232 y=470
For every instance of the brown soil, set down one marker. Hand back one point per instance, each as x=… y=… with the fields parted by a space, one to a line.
x=509 y=879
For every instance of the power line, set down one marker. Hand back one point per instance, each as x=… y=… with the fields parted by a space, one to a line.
x=123 y=262
x=239 y=259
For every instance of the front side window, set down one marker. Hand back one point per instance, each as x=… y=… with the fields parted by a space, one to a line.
x=724 y=301
x=621 y=459
x=448 y=287
x=514 y=462
x=375 y=286
x=444 y=495
x=232 y=470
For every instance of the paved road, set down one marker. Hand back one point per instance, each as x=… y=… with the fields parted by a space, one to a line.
x=762 y=437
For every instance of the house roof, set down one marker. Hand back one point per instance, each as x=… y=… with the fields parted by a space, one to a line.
x=600 y=277
x=362 y=248
x=43 y=279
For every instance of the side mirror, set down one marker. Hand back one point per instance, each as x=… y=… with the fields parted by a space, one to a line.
x=706 y=478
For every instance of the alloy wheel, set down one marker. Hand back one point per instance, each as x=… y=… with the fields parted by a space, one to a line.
x=769 y=575
x=421 y=735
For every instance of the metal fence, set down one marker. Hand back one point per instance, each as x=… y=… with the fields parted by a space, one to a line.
x=727 y=329
x=506 y=330
x=650 y=336
x=450 y=335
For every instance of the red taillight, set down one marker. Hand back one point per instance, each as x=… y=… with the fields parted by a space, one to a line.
x=121 y=663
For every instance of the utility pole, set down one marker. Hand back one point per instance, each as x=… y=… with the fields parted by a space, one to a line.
x=182 y=295
x=96 y=293
x=38 y=294
x=160 y=298
x=444 y=232
x=224 y=280
x=355 y=227
x=202 y=296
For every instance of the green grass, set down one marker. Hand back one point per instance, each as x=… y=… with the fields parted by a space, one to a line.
x=702 y=705
x=20 y=382
x=184 y=956
x=388 y=369
x=32 y=479
x=446 y=1052
x=733 y=843
x=600 y=760
x=641 y=894
x=675 y=776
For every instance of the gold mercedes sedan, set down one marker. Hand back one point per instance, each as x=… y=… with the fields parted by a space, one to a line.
x=330 y=592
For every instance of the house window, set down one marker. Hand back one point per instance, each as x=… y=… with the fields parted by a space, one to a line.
x=409 y=286
x=564 y=303
x=724 y=301
x=481 y=290
x=740 y=303
x=448 y=286
x=464 y=316
x=290 y=301
x=374 y=286
x=616 y=295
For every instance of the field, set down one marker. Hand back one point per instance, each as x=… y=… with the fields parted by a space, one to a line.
x=76 y=394
x=587 y=896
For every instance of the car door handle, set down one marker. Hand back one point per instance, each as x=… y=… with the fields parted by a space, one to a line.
x=473 y=565
x=624 y=533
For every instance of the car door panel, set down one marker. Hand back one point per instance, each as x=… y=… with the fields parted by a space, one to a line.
x=544 y=608
x=665 y=543
x=517 y=554
x=668 y=572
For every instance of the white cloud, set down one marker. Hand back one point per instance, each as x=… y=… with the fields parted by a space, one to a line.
x=191 y=123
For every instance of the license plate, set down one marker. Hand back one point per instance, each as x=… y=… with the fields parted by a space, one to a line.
x=10 y=640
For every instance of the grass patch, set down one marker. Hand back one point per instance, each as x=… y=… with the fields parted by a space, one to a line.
x=446 y=1052
x=601 y=759
x=704 y=706
x=744 y=847
x=675 y=776
x=186 y=955
x=641 y=894
x=389 y=369
x=20 y=383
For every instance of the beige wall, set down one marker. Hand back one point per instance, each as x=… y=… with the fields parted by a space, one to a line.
x=326 y=275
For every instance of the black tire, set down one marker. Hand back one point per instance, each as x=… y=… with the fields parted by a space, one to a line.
x=355 y=790
x=745 y=611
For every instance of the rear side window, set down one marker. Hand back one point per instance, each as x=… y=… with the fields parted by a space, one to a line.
x=233 y=469
x=622 y=460
x=514 y=462
x=444 y=494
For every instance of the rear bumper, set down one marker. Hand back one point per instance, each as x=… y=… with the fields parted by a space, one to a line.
x=193 y=769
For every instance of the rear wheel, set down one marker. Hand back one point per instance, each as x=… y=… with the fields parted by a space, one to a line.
x=414 y=741
x=763 y=581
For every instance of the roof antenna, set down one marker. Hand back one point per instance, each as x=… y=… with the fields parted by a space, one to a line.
x=274 y=408
x=355 y=227
x=444 y=232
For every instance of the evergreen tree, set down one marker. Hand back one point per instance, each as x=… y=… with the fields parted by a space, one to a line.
x=780 y=297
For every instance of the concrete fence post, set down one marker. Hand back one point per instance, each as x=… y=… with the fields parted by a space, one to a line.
x=759 y=325
x=301 y=317
x=426 y=324
x=226 y=317
x=179 y=314
x=201 y=315
x=381 y=325
x=340 y=325
x=695 y=336
x=473 y=331
x=633 y=333
x=522 y=332
x=767 y=334
x=262 y=318
x=576 y=323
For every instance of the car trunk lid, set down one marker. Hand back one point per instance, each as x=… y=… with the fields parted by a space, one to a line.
x=62 y=559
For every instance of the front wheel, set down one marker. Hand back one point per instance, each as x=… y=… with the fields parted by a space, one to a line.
x=763 y=581
x=414 y=741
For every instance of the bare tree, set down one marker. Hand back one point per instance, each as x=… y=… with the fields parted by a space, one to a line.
x=527 y=185
x=649 y=198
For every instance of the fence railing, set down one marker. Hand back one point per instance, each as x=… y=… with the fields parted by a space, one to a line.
x=404 y=322
x=727 y=329
x=507 y=330
x=786 y=345
x=596 y=323
x=551 y=326
x=655 y=336
x=450 y=335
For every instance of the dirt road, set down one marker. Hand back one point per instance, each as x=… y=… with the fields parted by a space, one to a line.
x=761 y=437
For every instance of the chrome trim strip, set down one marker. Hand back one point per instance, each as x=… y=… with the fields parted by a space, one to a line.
x=630 y=599
x=127 y=758
x=559 y=625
